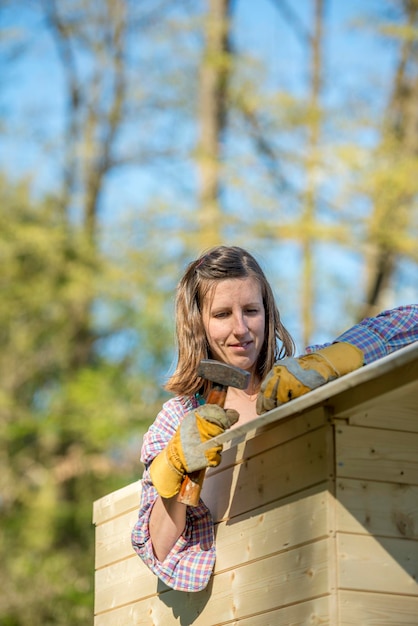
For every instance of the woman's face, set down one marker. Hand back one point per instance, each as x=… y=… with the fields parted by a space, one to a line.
x=234 y=321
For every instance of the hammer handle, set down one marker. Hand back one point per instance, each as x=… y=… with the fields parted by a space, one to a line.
x=192 y=484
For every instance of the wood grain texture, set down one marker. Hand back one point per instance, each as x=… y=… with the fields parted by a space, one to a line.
x=278 y=472
x=310 y=613
x=377 y=508
x=281 y=526
x=395 y=410
x=258 y=587
x=377 y=454
x=248 y=540
x=123 y=582
x=383 y=565
x=377 y=609
x=118 y=502
x=113 y=539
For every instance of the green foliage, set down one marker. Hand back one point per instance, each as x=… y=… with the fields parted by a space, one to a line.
x=70 y=431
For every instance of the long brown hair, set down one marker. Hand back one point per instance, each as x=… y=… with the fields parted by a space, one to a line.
x=217 y=264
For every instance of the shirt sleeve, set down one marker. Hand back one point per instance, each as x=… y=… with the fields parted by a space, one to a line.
x=190 y=562
x=378 y=336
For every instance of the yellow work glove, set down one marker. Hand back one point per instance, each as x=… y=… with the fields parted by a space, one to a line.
x=182 y=455
x=293 y=377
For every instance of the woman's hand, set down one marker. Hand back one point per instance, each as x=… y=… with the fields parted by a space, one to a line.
x=182 y=454
x=293 y=377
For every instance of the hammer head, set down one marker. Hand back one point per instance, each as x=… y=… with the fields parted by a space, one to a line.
x=223 y=374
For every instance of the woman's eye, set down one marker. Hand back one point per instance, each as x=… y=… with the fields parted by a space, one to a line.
x=221 y=315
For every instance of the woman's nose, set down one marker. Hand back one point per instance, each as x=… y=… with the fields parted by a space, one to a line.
x=240 y=325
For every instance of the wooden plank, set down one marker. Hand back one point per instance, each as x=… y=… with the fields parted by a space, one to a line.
x=297 y=519
x=116 y=503
x=123 y=582
x=258 y=587
x=113 y=539
x=383 y=376
x=310 y=613
x=386 y=509
x=369 y=453
x=395 y=410
x=303 y=614
x=372 y=609
x=291 y=521
x=294 y=466
x=273 y=529
x=273 y=435
x=280 y=526
x=381 y=565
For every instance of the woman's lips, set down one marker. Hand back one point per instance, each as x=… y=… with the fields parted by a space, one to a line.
x=241 y=346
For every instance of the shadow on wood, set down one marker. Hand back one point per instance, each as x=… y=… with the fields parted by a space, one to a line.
x=185 y=607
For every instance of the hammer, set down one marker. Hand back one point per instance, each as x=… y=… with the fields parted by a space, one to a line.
x=222 y=376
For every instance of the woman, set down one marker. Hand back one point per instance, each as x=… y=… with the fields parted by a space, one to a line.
x=225 y=310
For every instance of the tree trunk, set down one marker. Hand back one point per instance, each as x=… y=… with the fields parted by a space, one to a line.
x=93 y=118
x=309 y=217
x=392 y=206
x=212 y=112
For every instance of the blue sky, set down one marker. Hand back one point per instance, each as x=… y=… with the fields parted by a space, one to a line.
x=358 y=67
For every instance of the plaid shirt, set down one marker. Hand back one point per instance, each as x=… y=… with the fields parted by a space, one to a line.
x=378 y=336
x=190 y=562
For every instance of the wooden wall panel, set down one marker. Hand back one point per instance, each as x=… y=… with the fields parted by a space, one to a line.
x=297 y=519
x=123 y=582
x=273 y=435
x=116 y=503
x=394 y=410
x=383 y=565
x=376 y=382
x=373 y=609
x=311 y=613
x=278 y=472
x=274 y=528
x=248 y=539
x=113 y=539
x=245 y=592
x=373 y=454
x=377 y=508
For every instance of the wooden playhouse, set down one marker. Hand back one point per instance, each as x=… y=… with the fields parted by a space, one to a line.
x=316 y=505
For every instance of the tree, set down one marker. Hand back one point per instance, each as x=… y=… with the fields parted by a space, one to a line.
x=392 y=184
x=308 y=226
x=85 y=324
x=66 y=430
x=213 y=106
x=90 y=265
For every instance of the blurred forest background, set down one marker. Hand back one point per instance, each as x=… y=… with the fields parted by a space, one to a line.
x=134 y=135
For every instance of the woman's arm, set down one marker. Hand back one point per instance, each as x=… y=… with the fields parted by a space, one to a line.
x=188 y=565
x=166 y=524
x=385 y=333
x=175 y=541
x=371 y=339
